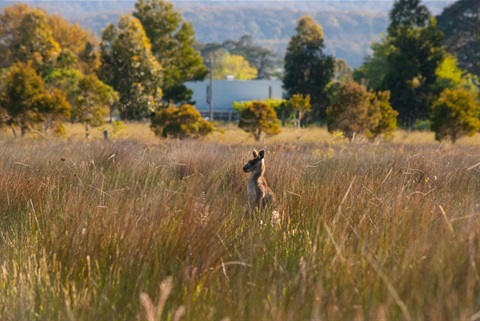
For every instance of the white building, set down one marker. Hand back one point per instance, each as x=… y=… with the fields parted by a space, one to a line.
x=225 y=92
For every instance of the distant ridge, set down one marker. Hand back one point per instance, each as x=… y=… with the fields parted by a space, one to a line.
x=349 y=26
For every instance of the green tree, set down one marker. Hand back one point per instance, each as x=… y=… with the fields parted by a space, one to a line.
x=455 y=114
x=308 y=69
x=129 y=66
x=25 y=99
x=172 y=44
x=90 y=98
x=414 y=57
x=259 y=117
x=374 y=67
x=235 y=65
x=180 y=122
x=460 y=22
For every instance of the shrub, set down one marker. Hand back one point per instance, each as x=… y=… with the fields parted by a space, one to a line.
x=384 y=117
x=300 y=105
x=180 y=122
x=257 y=117
x=356 y=111
x=455 y=114
x=348 y=112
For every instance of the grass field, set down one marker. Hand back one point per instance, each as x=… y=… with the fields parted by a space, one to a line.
x=138 y=228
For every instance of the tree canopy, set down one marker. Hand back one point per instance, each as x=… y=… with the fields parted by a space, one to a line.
x=234 y=65
x=265 y=61
x=308 y=69
x=25 y=35
x=416 y=52
x=129 y=66
x=375 y=66
x=180 y=122
x=455 y=114
x=259 y=117
x=172 y=41
x=354 y=110
x=26 y=100
x=460 y=22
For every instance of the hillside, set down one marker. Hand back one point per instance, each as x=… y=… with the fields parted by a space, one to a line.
x=349 y=27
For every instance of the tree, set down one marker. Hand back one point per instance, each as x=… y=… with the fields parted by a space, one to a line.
x=129 y=66
x=354 y=110
x=43 y=32
x=234 y=65
x=172 y=44
x=180 y=122
x=90 y=98
x=374 y=68
x=349 y=111
x=9 y=26
x=300 y=105
x=460 y=22
x=413 y=59
x=264 y=60
x=308 y=69
x=455 y=114
x=383 y=118
x=408 y=14
x=279 y=105
x=26 y=36
x=342 y=71
x=449 y=75
x=55 y=108
x=25 y=99
x=258 y=117
x=80 y=42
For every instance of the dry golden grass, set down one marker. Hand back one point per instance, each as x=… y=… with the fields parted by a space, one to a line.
x=138 y=228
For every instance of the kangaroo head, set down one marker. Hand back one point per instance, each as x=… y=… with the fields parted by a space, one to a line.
x=255 y=164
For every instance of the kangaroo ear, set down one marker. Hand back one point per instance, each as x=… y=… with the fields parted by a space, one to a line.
x=255 y=153
x=261 y=154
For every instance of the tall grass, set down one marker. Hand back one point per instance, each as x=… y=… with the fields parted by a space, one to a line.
x=137 y=230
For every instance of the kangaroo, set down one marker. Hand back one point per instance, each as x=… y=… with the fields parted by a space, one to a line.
x=259 y=194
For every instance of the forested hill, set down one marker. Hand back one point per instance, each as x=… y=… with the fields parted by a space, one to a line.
x=349 y=26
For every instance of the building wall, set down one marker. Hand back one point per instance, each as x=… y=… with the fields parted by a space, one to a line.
x=225 y=92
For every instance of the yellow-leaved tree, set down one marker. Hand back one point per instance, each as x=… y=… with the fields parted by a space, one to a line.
x=235 y=65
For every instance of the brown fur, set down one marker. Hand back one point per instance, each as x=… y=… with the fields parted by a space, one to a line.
x=259 y=194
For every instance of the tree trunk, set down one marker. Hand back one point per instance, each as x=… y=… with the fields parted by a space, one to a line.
x=23 y=130
x=87 y=134
x=454 y=137
x=13 y=131
x=257 y=135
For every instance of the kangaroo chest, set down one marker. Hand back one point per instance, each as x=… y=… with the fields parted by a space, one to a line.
x=255 y=189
